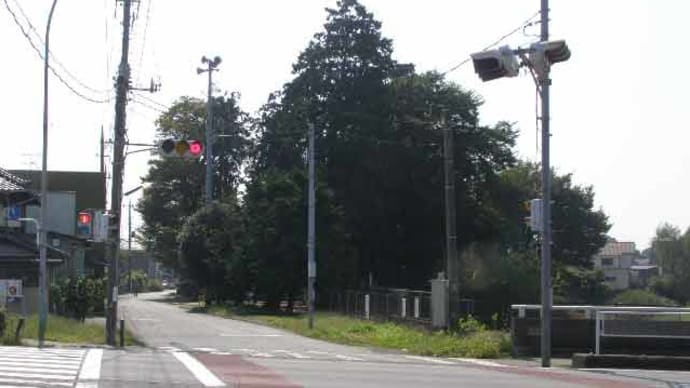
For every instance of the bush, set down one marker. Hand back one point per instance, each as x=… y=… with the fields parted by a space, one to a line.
x=470 y=325
x=154 y=285
x=642 y=298
x=78 y=297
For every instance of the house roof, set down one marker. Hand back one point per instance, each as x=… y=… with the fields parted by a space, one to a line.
x=88 y=186
x=10 y=182
x=616 y=248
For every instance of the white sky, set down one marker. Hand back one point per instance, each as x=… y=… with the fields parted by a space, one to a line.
x=617 y=106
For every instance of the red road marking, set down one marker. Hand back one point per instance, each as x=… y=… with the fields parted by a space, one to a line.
x=235 y=371
x=587 y=380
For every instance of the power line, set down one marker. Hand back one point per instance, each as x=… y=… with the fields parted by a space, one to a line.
x=152 y=101
x=146 y=105
x=143 y=41
x=52 y=55
x=526 y=23
x=38 y=51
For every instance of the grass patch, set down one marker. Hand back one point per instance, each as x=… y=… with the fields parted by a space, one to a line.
x=345 y=330
x=62 y=330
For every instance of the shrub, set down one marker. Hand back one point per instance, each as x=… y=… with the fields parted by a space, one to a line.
x=470 y=325
x=154 y=285
x=641 y=298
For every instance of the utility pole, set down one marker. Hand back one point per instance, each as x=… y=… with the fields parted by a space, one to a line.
x=452 y=267
x=546 y=202
x=129 y=247
x=41 y=227
x=212 y=65
x=113 y=243
x=311 y=229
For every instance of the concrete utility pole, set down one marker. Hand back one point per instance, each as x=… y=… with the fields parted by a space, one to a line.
x=129 y=246
x=113 y=243
x=452 y=266
x=311 y=229
x=212 y=65
x=546 y=202
x=41 y=226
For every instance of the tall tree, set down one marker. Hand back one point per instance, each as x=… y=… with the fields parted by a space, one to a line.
x=174 y=187
x=210 y=251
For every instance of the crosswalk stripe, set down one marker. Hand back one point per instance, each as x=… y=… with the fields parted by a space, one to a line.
x=91 y=370
x=4 y=380
x=38 y=376
x=44 y=365
x=11 y=368
x=42 y=360
x=431 y=359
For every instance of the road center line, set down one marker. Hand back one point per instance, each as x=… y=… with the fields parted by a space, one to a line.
x=205 y=376
x=293 y=354
x=431 y=359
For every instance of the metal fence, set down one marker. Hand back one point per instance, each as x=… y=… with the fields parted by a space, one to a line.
x=398 y=305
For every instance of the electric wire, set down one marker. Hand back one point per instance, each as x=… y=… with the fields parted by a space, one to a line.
x=146 y=105
x=526 y=23
x=52 y=55
x=40 y=54
x=152 y=101
x=143 y=39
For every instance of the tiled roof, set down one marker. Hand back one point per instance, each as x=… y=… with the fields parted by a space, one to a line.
x=615 y=248
x=10 y=182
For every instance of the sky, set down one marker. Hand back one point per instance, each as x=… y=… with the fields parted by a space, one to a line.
x=618 y=105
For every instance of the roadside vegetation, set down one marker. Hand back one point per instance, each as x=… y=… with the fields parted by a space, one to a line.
x=473 y=339
x=60 y=329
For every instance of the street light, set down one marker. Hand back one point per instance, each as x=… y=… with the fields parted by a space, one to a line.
x=129 y=238
x=43 y=270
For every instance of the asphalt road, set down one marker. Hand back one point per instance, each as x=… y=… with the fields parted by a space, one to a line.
x=188 y=349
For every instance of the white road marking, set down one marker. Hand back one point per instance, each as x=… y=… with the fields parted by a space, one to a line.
x=41 y=364
x=28 y=368
x=205 y=376
x=91 y=369
x=431 y=359
x=38 y=376
x=318 y=352
x=250 y=335
x=243 y=350
x=54 y=361
x=264 y=355
x=41 y=355
x=348 y=358
x=23 y=381
x=293 y=354
x=169 y=348
x=481 y=362
x=222 y=353
x=205 y=349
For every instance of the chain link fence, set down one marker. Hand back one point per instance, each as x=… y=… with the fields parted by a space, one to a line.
x=399 y=305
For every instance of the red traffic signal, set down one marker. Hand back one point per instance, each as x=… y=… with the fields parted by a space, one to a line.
x=169 y=148
x=84 y=218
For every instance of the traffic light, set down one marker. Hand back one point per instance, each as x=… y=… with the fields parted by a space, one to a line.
x=180 y=148
x=493 y=64
x=85 y=224
x=544 y=54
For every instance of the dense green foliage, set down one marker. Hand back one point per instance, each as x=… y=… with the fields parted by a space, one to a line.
x=380 y=199
x=641 y=298
x=78 y=297
x=671 y=251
